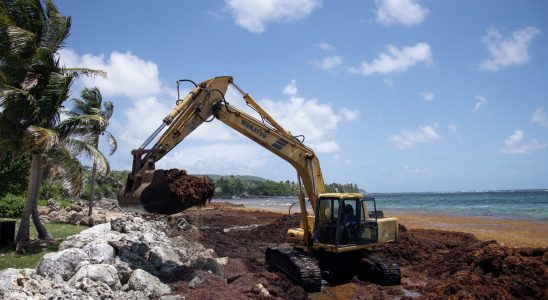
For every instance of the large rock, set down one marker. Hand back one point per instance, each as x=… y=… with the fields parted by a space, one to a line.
x=8 y=278
x=99 y=252
x=53 y=205
x=62 y=263
x=101 y=272
x=95 y=289
x=142 y=281
x=161 y=256
x=110 y=204
x=75 y=218
x=123 y=269
x=96 y=234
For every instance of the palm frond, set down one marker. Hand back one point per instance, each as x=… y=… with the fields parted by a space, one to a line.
x=53 y=96
x=79 y=107
x=79 y=72
x=108 y=109
x=112 y=142
x=63 y=165
x=93 y=97
x=82 y=148
x=20 y=39
x=90 y=123
x=57 y=28
x=28 y=15
x=42 y=139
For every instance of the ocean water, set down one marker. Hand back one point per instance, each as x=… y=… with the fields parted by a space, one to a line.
x=521 y=204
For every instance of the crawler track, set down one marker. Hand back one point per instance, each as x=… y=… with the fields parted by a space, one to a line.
x=302 y=269
x=378 y=270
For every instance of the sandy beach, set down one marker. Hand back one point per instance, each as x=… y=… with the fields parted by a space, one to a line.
x=510 y=232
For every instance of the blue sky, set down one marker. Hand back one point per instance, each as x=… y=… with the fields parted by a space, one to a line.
x=394 y=95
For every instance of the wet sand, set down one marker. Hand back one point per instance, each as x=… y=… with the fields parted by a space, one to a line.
x=509 y=232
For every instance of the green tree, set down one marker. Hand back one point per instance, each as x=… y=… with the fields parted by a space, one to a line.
x=93 y=115
x=14 y=170
x=33 y=88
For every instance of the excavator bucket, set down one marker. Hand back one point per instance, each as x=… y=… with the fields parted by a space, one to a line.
x=165 y=191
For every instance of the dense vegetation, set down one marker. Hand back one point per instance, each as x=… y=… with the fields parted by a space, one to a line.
x=14 y=173
x=249 y=186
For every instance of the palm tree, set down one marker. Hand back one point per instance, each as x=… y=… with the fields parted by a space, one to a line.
x=33 y=89
x=93 y=114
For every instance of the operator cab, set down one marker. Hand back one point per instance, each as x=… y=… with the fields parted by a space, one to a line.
x=345 y=219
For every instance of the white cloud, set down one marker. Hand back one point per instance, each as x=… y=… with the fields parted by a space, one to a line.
x=218 y=158
x=427 y=96
x=317 y=121
x=328 y=63
x=540 y=117
x=505 y=52
x=515 y=144
x=327 y=147
x=411 y=138
x=253 y=15
x=396 y=60
x=403 y=12
x=326 y=46
x=127 y=74
x=142 y=120
x=480 y=102
x=291 y=89
x=349 y=115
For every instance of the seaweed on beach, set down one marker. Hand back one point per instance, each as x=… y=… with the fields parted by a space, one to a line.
x=458 y=265
x=435 y=264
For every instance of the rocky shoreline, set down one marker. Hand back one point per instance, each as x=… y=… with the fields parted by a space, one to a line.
x=126 y=258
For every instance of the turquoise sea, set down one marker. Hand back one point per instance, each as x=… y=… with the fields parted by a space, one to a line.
x=519 y=204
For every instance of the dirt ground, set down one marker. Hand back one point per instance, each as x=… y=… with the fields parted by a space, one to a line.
x=435 y=264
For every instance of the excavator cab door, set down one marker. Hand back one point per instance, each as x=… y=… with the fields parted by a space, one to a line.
x=368 y=223
x=327 y=221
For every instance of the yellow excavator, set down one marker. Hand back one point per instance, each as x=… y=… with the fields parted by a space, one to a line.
x=334 y=240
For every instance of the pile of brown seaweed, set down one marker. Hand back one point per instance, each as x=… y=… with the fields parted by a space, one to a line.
x=189 y=190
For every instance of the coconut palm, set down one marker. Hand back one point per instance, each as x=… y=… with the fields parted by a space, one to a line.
x=33 y=88
x=93 y=115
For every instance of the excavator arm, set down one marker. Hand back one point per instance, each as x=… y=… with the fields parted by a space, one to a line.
x=145 y=185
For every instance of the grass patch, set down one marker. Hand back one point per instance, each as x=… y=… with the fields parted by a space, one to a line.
x=60 y=231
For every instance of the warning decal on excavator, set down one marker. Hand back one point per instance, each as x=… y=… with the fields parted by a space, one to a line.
x=279 y=144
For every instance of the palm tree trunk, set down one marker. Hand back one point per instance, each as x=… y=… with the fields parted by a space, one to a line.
x=33 y=190
x=91 y=187
x=92 y=183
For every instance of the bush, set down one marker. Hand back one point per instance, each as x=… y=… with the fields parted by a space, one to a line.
x=14 y=172
x=11 y=206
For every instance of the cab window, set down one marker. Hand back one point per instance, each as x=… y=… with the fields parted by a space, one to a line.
x=326 y=220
